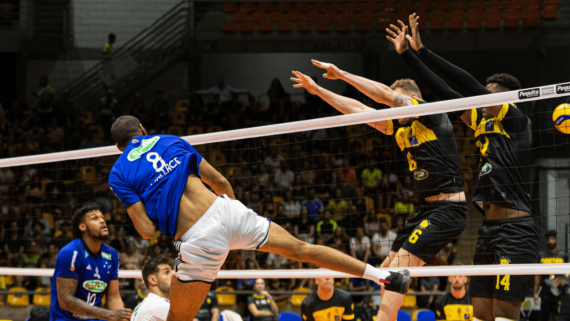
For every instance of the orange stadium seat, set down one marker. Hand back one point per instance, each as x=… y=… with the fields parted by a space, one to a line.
x=362 y=26
x=265 y=27
x=475 y=20
x=49 y=218
x=497 y=5
x=337 y=7
x=530 y=18
x=285 y=7
x=247 y=6
x=423 y=19
x=302 y=6
x=425 y=6
x=343 y=26
x=347 y=16
x=320 y=6
x=305 y=26
x=550 y=11
x=366 y=16
x=229 y=27
x=297 y=299
x=230 y=7
x=240 y=16
x=408 y=6
x=323 y=26
x=404 y=16
x=493 y=19
x=443 y=5
x=18 y=300
x=42 y=299
x=246 y=27
x=258 y=16
x=355 y=6
x=456 y=20
x=295 y=16
x=437 y=22
x=479 y=5
x=384 y=20
x=285 y=26
x=276 y=17
x=533 y=4
x=461 y=5
x=330 y=16
x=225 y=298
x=390 y=6
x=409 y=301
x=512 y=18
x=515 y=4
x=266 y=7
x=371 y=6
x=313 y=16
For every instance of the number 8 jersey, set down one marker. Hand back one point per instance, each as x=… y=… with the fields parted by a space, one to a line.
x=93 y=272
x=154 y=169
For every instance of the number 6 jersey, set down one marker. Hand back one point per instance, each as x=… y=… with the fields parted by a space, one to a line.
x=429 y=145
x=154 y=169
x=93 y=272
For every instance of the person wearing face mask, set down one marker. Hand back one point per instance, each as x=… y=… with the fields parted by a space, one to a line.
x=328 y=303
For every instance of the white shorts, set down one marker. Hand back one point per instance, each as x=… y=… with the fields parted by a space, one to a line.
x=227 y=225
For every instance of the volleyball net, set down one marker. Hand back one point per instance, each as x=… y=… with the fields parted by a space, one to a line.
x=332 y=181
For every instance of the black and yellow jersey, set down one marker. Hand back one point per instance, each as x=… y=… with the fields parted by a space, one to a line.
x=339 y=307
x=504 y=144
x=449 y=308
x=262 y=303
x=564 y=301
x=429 y=145
x=205 y=312
x=549 y=258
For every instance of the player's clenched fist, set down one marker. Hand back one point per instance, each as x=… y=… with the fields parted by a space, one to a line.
x=121 y=315
x=333 y=72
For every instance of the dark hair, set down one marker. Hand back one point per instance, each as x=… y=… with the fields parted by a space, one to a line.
x=508 y=82
x=408 y=86
x=112 y=35
x=124 y=128
x=551 y=233
x=151 y=268
x=78 y=218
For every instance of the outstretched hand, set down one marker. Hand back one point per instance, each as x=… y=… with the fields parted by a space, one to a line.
x=304 y=81
x=333 y=72
x=398 y=37
x=414 y=39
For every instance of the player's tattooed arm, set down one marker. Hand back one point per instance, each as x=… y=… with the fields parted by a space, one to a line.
x=66 y=289
x=401 y=100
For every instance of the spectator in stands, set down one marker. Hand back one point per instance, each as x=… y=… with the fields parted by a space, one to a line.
x=33 y=192
x=299 y=190
x=47 y=261
x=282 y=219
x=408 y=188
x=292 y=206
x=37 y=133
x=12 y=244
x=314 y=205
x=30 y=259
x=308 y=174
x=107 y=52
x=360 y=246
x=274 y=160
x=261 y=305
x=37 y=217
x=44 y=108
x=404 y=206
x=382 y=241
x=141 y=244
x=6 y=179
x=209 y=311
x=44 y=87
x=138 y=108
x=276 y=94
x=347 y=172
x=90 y=141
x=82 y=192
x=256 y=116
x=284 y=177
x=267 y=205
x=351 y=221
x=37 y=235
x=338 y=206
x=371 y=178
x=458 y=298
x=131 y=260
x=223 y=91
x=159 y=105
x=361 y=202
x=429 y=284
x=358 y=284
x=277 y=286
x=65 y=236
x=339 y=240
x=371 y=224
x=115 y=239
x=263 y=176
x=346 y=190
x=398 y=224
x=326 y=226
x=304 y=226
x=107 y=109
x=362 y=310
x=56 y=134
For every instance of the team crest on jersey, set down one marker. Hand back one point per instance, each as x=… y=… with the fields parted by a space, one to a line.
x=490 y=126
x=146 y=145
x=107 y=256
x=95 y=286
x=336 y=318
x=413 y=140
x=72 y=267
x=420 y=174
x=486 y=169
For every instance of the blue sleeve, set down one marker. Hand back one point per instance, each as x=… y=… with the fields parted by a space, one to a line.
x=115 y=269
x=67 y=264
x=125 y=193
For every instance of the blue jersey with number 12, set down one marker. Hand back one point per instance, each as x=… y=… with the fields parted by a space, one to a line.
x=93 y=272
x=154 y=169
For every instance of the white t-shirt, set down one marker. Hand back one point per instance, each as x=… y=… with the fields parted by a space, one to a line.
x=360 y=247
x=385 y=242
x=292 y=208
x=153 y=308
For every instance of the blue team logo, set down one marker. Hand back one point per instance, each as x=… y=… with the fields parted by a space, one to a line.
x=146 y=145
x=413 y=140
x=490 y=126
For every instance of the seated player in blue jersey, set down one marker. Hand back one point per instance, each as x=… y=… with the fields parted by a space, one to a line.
x=160 y=180
x=87 y=269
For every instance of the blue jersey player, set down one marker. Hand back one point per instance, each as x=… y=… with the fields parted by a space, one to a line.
x=86 y=269
x=160 y=180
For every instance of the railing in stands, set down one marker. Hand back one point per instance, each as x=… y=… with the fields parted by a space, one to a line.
x=164 y=36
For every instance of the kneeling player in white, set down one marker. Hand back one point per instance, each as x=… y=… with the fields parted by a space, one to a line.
x=156 y=274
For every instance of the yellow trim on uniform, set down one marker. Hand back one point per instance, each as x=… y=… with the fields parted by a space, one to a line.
x=421 y=133
x=389 y=127
x=257 y=296
x=496 y=129
x=348 y=317
x=473 y=119
x=550 y=260
x=458 y=311
x=415 y=102
x=328 y=314
x=504 y=111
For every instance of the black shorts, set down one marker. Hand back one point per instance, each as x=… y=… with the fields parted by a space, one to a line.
x=432 y=228
x=509 y=241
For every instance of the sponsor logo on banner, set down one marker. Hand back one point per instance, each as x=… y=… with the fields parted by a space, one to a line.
x=95 y=286
x=146 y=145
x=547 y=91
x=529 y=93
x=72 y=268
x=563 y=89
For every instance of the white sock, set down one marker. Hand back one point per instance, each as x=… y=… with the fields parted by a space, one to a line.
x=503 y=319
x=374 y=274
x=477 y=319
